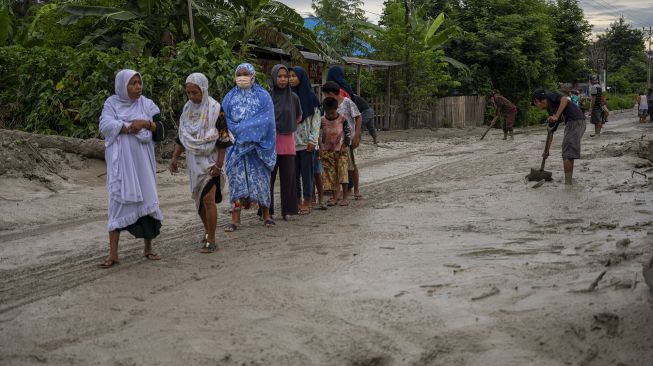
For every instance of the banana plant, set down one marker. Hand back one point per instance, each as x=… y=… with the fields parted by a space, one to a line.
x=246 y=23
x=435 y=40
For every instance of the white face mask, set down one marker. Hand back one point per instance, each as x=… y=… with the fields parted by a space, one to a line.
x=244 y=82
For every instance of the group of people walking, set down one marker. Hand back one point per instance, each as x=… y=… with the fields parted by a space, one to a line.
x=252 y=138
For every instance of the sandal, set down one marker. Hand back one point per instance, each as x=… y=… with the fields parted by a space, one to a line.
x=358 y=196
x=344 y=203
x=322 y=207
x=304 y=211
x=269 y=223
x=108 y=263
x=208 y=248
x=332 y=202
x=151 y=256
x=230 y=228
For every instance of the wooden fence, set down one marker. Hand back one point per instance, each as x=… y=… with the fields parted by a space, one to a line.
x=459 y=112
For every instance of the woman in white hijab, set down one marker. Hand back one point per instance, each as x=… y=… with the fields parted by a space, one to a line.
x=204 y=137
x=127 y=126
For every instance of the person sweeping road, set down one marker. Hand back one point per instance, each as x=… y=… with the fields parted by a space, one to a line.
x=507 y=110
x=559 y=106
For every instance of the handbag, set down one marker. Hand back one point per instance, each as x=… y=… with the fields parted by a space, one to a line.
x=160 y=133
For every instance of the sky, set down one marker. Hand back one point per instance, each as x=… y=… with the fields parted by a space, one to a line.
x=600 y=13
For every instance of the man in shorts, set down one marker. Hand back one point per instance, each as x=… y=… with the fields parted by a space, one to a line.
x=596 y=108
x=560 y=107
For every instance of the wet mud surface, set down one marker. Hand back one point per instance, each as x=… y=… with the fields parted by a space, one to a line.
x=451 y=258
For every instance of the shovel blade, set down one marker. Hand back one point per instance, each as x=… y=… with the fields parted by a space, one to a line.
x=538 y=175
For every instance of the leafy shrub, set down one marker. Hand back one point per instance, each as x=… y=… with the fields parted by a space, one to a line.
x=626 y=101
x=62 y=91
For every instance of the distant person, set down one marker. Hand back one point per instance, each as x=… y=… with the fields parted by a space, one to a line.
x=249 y=112
x=287 y=112
x=349 y=111
x=336 y=136
x=337 y=75
x=127 y=124
x=596 y=109
x=204 y=137
x=649 y=101
x=559 y=106
x=507 y=110
x=575 y=97
x=308 y=164
x=642 y=107
x=367 y=114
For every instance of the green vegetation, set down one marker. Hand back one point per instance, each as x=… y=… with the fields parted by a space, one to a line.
x=58 y=58
x=63 y=91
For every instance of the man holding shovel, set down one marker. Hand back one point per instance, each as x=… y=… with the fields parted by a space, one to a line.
x=507 y=110
x=559 y=107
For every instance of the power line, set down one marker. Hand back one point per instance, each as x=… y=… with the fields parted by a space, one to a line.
x=600 y=6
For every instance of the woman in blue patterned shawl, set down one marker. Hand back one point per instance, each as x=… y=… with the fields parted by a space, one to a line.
x=249 y=112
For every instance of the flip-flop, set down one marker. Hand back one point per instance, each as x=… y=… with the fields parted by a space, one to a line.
x=269 y=223
x=343 y=203
x=208 y=248
x=305 y=211
x=230 y=228
x=322 y=207
x=151 y=256
x=332 y=202
x=108 y=263
x=358 y=196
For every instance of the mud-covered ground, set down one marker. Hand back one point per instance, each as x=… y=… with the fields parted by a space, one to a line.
x=452 y=258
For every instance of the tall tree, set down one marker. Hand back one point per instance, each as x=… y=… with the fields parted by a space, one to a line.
x=622 y=44
x=571 y=35
x=342 y=25
x=509 y=42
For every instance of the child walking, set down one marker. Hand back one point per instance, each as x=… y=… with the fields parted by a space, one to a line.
x=347 y=108
x=336 y=137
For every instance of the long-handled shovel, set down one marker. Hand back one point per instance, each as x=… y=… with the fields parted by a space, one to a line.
x=541 y=175
x=491 y=125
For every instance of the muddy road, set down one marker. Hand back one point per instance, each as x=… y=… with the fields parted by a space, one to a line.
x=451 y=258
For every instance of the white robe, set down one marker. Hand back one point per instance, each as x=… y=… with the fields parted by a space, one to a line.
x=131 y=164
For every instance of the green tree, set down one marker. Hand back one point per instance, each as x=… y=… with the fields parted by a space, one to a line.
x=571 y=35
x=425 y=74
x=511 y=43
x=621 y=44
x=342 y=25
x=244 y=23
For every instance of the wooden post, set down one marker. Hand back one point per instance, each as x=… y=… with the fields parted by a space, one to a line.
x=386 y=112
x=358 y=79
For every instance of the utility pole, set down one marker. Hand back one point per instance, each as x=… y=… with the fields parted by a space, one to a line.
x=648 y=55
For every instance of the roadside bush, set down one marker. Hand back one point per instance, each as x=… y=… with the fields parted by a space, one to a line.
x=62 y=91
x=626 y=101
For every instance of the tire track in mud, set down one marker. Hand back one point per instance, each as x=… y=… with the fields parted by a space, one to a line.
x=29 y=284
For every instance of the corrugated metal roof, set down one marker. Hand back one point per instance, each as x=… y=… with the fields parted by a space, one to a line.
x=350 y=61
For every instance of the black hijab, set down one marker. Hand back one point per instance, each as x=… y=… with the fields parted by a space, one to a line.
x=305 y=92
x=284 y=105
x=338 y=75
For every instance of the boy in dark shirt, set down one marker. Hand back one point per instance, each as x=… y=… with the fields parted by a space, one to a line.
x=559 y=106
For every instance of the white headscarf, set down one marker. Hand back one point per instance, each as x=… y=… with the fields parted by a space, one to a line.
x=128 y=109
x=197 y=129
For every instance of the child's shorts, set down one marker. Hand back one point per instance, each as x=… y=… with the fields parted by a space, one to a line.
x=335 y=169
x=317 y=162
